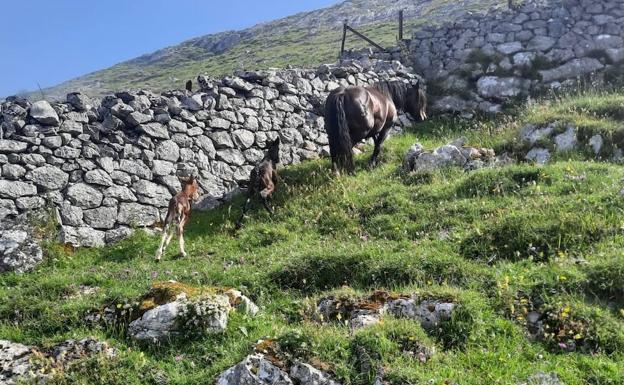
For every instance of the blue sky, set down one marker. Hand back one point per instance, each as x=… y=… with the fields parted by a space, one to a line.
x=49 y=41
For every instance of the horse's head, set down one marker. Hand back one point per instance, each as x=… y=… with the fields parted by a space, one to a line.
x=416 y=100
x=191 y=188
x=274 y=150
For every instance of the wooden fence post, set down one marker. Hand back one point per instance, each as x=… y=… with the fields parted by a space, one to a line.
x=344 y=39
x=400 y=25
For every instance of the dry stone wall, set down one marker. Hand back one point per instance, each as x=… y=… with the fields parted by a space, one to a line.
x=108 y=166
x=480 y=61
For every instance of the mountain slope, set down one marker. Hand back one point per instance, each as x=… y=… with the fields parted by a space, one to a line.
x=305 y=39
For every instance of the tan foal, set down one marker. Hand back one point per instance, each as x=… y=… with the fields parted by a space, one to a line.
x=178 y=213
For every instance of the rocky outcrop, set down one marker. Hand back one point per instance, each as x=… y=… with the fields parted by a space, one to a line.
x=543 y=379
x=171 y=310
x=429 y=313
x=363 y=312
x=184 y=316
x=454 y=154
x=256 y=369
x=542 y=142
x=482 y=60
x=108 y=165
x=17 y=361
x=14 y=362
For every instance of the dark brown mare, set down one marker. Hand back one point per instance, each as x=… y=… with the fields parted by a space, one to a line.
x=356 y=113
x=178 y=214
x=263 y=179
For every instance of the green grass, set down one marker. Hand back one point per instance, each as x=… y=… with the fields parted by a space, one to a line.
x=591 y=109
x=499 y=242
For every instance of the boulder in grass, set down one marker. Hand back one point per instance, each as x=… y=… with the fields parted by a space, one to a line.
x=15 y=362
x=254 y=370
x=454 y=154
x=184 y=316
x=23 y=364
x=257 y=369
x=543 y=379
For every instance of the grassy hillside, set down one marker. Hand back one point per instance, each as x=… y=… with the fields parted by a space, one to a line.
x=302 y=40
x=499 y=242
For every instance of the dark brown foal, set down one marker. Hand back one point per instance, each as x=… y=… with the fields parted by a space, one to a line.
x=178 y=214
x=262 y=180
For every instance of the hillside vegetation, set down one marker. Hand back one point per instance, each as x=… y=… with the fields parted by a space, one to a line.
x=307 y=39
x=499 y=242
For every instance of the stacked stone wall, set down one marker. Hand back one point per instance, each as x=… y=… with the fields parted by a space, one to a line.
x=480 y=61
x=107 y=166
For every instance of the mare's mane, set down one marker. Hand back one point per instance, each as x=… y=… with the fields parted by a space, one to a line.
x=395 y=90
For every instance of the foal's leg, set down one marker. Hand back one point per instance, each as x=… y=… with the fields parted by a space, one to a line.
x=265 y=203
x=170 y=232
x=162 y=241
x=266 y=194
x=181 y=236
x=239 y=223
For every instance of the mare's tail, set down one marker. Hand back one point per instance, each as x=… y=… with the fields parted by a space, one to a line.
x=337 y=128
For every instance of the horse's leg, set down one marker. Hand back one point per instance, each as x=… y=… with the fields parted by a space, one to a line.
x=169 y=237
x=162 y=242
x=266 y=194
x=181 y=236
x=335 y=167
x=379 y=139
x=372 y=162
x=350 y=165
x=239 y=223
x=265 y=203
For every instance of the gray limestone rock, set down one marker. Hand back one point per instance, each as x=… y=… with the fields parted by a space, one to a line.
x=167 y=150
x=18 y=251
x=15 y=362
x=500 y=88
x=81 y=236
x=98 y=177
x=103 y=218
x=254 y=370
x=154 y=130
x=136 y=214
x=12 y=146
x=151 y=193
x=84 y=196
x=538 y=155
x=43 y=112
x=572 y=69
x=430 y=314
x=16 y=189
